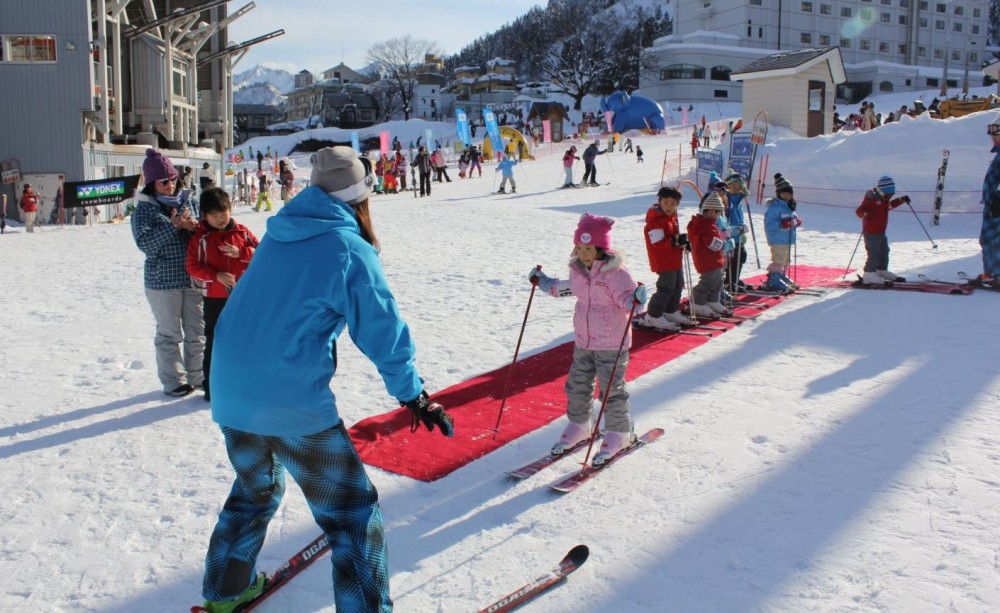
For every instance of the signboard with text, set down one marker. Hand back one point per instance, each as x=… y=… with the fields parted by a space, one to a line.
x=100 y=191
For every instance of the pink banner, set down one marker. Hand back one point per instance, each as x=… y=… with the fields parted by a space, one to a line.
x=383 y=142
x=607 y=120
x=546 y=131
x=684 y=118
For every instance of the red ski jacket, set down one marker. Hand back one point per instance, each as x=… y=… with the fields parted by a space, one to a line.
x=663 y=255
x=204 y=260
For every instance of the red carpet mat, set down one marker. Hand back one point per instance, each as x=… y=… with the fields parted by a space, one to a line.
x=536 y=398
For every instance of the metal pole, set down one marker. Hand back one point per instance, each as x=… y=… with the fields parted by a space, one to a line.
x=922 y=225
x=517 y=349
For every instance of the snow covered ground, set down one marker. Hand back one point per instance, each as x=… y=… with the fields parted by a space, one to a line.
x=840 y=453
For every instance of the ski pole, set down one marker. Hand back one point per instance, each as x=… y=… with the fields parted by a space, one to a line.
x=517 y=349
x=690 y=286
x=922 y=226
x=612 y=167
x=611 y=380
x=795 y=259
x=853 y=253
x=753 y=234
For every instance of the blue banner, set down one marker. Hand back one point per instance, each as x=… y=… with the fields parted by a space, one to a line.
x=493 y=129
x=741 y=154
x=355 y=144
x=462 y=127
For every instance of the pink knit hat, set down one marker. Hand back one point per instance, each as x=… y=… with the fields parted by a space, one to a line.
x=156 y=167
x=594 y=230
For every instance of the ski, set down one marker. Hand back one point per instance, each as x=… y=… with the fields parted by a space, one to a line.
x=569 y=564
x=641 y=326
x=978 y=283
x=939 y=188
x=926 y=287
x=283 y=574
x=580 y=477
x=542 y=463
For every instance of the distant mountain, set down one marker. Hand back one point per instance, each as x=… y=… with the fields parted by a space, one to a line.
x=282 y=80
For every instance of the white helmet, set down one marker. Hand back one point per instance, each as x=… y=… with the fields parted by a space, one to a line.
x=994 y=128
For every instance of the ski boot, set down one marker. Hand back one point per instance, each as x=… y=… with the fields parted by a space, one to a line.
x=227 y=606
x=614 y=443
x=571 y=435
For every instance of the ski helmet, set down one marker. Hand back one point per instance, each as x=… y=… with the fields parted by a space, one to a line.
x=994 y=128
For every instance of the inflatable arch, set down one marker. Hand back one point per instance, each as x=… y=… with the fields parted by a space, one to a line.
x=512 y=137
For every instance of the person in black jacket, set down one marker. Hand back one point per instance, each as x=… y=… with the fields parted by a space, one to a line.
x=590 y=169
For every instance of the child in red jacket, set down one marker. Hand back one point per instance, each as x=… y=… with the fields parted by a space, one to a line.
x=665 y=248
x=709 y=258
x=874 y=214
x=217 y=255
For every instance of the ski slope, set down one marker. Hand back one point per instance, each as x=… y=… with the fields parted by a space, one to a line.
x=840 y=453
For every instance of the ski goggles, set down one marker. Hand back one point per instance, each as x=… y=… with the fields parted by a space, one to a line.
x=993 y=129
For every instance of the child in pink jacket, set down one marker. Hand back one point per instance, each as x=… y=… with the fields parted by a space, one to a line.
x=607 y=297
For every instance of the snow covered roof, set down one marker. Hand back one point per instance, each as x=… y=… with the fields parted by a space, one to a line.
x=793 y=62
x=499 y=62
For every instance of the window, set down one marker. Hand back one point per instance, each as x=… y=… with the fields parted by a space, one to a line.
x=976 y=13
x=806 y=38
x=959 y=9
x=825 y=9
x=939 y=24
x=755 y=2
x=939 y=8
x=824 y=39
x=883 y=47
x=975 y=29
x=866 y=14
x=29 y=48
x=923 y=5
x=179 y=74
x=901 y=49
x=720 y=73
x=923 y=22
x=957 y=26
x=807 y=7
x=973 y=57
x=845 y=11
x=932 y=82
x=720 y=93
x=865 y=44
x=845 y=43
x=885 y=17
x=904 y=4
x=257 y=121
x=939 y=54
x=921 y=51
x=682 y=71
x=956 y=55
x=902 y=20
x=885 y=86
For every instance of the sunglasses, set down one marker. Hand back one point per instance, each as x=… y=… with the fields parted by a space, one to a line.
x=993 y=129
x=167 y=181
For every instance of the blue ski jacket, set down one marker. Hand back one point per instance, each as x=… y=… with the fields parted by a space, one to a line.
x=991 y=186
x=777 y=212
x=312 y=276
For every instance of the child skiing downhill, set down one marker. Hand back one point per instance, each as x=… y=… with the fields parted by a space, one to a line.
x=506 y=167
x=780 y=222
x=606 y=296
x=665 y=248
x=874 y=214
x=568 y=159
x=217 y=255
x=707 y=251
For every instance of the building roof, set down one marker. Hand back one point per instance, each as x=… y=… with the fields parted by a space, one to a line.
x=793 y=62
x=544 y=109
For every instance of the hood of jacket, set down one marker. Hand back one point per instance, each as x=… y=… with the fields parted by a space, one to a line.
x=310 y=213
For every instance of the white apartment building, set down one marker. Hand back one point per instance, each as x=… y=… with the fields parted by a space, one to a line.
x=887 y=45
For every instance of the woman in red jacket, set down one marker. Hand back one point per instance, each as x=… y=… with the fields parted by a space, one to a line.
x=29 y=204
x=218 y=255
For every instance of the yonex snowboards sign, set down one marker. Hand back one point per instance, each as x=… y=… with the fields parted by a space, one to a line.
x=100 y=191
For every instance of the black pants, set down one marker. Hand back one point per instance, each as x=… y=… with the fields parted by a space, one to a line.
x=737 y=258
x=425 y=183
x=590 y=173
x=442 y=171
x=213 y=308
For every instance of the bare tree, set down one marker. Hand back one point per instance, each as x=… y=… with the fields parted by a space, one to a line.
x=398 y=61
x=577 y=64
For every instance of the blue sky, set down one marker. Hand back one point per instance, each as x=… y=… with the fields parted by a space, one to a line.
x=320 y=34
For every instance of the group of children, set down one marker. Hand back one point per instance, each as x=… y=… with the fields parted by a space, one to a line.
x=609 y=298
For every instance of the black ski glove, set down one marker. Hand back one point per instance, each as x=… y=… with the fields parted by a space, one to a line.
x=681 y=240
x=431 y=413
x=905 y=199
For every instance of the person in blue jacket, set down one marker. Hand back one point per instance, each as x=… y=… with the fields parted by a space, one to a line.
x=736 y=192
x=506 y=168
x=989 y=234
x=315 y=273
x=780 y=222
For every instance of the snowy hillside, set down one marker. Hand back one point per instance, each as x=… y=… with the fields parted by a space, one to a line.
x=282 y=80
x=258 y=93
x=839 y=453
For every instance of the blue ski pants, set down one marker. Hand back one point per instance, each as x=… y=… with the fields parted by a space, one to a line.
x=342 y=500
